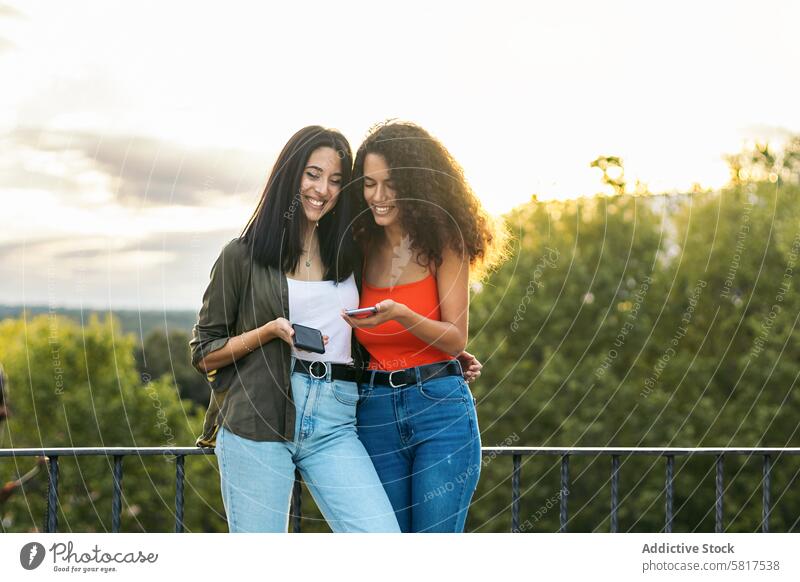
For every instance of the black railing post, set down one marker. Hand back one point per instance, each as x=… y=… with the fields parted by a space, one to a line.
x=515 y=494
x=719 y=496
x=297 y=492
x=116 y=500
x=765 y=489
x=668 y=493
x=564 y=493
x=614 y=492
x=179 y=475
x=51 y=524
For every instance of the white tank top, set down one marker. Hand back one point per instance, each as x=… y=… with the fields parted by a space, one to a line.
x=318 y=304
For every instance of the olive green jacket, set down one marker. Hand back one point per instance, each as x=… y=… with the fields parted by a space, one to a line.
x=252 y=396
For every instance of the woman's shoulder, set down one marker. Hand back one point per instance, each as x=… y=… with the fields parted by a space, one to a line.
x=233 y=259
x=236 y=249
x=453 y=261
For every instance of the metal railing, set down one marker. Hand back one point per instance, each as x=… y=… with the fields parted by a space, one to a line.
x=768 y=456
x=54 y=454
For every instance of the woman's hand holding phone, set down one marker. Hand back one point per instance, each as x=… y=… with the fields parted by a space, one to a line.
x=386 y=310
x=281 y=328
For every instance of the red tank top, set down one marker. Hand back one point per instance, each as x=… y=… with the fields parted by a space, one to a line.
x=392 y=346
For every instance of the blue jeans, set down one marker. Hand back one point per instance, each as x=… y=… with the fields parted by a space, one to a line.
x=257 y=477
x=424 y=441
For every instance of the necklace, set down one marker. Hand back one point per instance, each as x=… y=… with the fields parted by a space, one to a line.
x=308 y=253
x=308 y=257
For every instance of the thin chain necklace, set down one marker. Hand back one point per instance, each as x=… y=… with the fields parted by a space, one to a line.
x=308 y=251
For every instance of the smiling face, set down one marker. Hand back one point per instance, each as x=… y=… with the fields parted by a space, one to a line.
x=321 y=183
x=379 y=190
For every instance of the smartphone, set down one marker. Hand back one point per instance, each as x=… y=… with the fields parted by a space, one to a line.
x=357 y=312
x=308 y=339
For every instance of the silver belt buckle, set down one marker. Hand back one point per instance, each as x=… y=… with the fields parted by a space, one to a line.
x=391 y=382
x=324 y=369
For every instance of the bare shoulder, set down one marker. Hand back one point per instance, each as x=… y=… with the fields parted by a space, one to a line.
x=453 y=262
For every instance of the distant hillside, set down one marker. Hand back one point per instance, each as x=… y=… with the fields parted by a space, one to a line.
x=132 y=321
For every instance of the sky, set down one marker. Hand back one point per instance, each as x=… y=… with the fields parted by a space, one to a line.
x=135 y=138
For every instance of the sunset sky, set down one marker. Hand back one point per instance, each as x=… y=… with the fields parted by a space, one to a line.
x=135 y=137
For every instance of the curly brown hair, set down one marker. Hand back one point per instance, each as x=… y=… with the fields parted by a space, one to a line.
x=437 y=206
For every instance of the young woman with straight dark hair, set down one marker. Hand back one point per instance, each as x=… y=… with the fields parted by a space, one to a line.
x=422 y=230
x=274 y=407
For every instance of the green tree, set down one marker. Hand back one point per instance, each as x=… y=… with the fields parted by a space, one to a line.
x=167 y=354
x=75 y=386
x=613 y=172
x=643 y=321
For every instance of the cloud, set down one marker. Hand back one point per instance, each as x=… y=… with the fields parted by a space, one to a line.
x=175 y=246
x=7 y=11
x=161 y=270
x=141 y=170
x=14 y=247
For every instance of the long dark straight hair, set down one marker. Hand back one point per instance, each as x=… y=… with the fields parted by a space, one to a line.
x=274 y=231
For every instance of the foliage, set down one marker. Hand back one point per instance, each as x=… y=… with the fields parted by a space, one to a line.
x=73 y=386
x=167 y=354
x=643 y=321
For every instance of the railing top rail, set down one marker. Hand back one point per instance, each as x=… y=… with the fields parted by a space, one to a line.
x=84 y=451
x=651 y=451
x=662 y=451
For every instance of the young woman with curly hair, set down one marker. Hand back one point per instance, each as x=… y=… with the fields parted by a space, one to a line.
x=422 y=231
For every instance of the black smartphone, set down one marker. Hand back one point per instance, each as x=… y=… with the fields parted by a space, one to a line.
x=308 y=339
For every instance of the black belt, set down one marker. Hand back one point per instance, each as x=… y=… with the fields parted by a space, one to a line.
x=400 y=378
x=319 y=370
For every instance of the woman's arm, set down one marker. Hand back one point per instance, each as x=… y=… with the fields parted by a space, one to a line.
x=449 y=334
x=212 y=345
x=243 y=344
